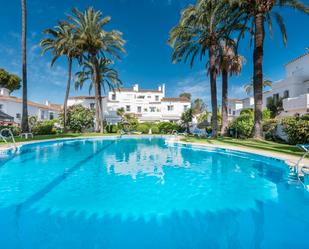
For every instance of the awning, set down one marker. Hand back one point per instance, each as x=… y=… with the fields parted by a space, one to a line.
x=5 y=117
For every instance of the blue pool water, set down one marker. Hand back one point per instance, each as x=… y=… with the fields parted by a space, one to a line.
x=144 y=193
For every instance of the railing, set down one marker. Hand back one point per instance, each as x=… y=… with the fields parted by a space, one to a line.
x=4 y=137
x=305 y=169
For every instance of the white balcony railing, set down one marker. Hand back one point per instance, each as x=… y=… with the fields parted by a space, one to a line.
x=298 y=103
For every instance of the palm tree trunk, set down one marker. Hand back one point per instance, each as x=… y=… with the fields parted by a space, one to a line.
x=224 y=101
x=98 y=110
x=213 y=91
x=65 y=105
x=258 y=75
x=101 y=107
x=24 y=120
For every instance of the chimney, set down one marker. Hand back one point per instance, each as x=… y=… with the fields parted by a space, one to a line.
x=163 y=89
x=135 y=87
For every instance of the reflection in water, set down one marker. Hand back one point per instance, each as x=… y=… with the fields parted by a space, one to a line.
x=141 y=193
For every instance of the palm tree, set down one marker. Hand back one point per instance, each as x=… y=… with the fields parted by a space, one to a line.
x=61 y=42
x=229 y=63
x=258 y=12
x=95 y=42
x=249 y=87
x=201 y=28
x=24 y=120
x=107 y=77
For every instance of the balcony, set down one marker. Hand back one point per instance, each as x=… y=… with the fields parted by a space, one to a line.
x=298 y=104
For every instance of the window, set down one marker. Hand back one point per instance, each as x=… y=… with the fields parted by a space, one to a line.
x=145 y=110
x=51 y=116
x=149 y=97
x=141 y=97
x=114 y=96
x=42 y=114
x=170 y=108
x=92 y=105
x=139 y=109
x=152 y=109
x=128 y=108
x=185 y=107
x=157 y=98
x=234 y=112
x=18 y=115
x=286 y=94
x=1 y=106
x=230 y=111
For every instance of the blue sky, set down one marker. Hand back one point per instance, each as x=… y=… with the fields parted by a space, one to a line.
x=145 y=25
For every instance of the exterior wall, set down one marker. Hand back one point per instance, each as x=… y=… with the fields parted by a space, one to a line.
x=294 y=88
x=13 y=107
x=234 y=107
x=147 y=105
x=176 y=112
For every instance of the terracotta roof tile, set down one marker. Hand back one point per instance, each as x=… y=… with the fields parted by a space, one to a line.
x=52 y=107
x=175 y=100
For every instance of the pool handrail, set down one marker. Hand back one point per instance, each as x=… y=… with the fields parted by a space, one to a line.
x=4 y=138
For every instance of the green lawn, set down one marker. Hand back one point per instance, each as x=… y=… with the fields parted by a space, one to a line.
x=250 y=143
x=65 y=135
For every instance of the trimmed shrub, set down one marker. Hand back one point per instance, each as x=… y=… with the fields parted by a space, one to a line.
x=297 y=129
x=143 y=128
x=242 y=125
x=169 y=127
x=44 y=127
x=79 y=118
x=112 y=128
x=155 y=129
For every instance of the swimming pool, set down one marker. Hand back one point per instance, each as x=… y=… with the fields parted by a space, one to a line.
x=146 y=193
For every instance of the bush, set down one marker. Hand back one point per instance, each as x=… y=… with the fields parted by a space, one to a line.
x=297 y=129
x=143 y=128
x=79 y=118
x=15 y=129
x=266 y=114
x=243 y=125
x=269 y=128
x=44 y=127
x=248 y=111
x=169 y=127
x=112 y=128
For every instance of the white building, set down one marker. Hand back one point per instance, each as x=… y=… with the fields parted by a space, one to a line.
x=146 y=105
x=13 y=106
x=294 y=89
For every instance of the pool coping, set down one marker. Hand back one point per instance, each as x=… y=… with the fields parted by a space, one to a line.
x=290 y=160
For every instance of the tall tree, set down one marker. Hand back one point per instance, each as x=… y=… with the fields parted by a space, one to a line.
x=107 y=76
x=229 y=63
x=61 y=41
x=185 y=95
x=201 y=28
x=9 y=81
x=24 y=120
x=198 y=106
x=96 y=42
x=259 y=12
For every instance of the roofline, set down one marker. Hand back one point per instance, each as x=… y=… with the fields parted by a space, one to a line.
x=297 y=58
